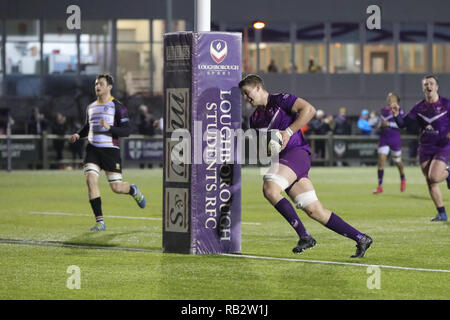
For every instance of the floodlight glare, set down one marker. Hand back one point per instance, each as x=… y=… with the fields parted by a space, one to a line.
x=258 y=25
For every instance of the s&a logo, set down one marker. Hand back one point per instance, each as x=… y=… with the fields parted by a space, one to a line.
x=218 y=50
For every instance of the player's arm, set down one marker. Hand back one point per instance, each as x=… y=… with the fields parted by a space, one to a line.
x=305 y=112
x=122 y=127
x=82 y=132
x=401 y=122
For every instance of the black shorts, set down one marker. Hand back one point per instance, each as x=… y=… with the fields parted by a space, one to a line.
x=107 y=159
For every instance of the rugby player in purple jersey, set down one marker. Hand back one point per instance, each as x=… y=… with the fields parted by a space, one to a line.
x=433 y=117
x=289 y=114
x=390 y=141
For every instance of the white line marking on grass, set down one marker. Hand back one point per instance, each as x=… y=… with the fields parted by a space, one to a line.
x=114 y=217
x=80 y=246
x=88 y=215
x=334 y=263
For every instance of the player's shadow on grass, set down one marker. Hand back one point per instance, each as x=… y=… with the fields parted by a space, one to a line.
x=103 y=238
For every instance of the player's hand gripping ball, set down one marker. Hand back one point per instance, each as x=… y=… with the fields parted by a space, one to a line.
x=274 y=142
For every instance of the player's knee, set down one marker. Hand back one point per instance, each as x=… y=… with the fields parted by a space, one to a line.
x=91 y=179
x=270 y=191
x=433 y=179
x=313 y=209
x=306 y=200
x=273 y=185
x=116 y=187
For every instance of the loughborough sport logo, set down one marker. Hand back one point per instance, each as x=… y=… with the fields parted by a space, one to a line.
x=218 y=50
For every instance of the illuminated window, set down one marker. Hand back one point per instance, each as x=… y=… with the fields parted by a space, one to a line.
x=1 y=61
x=59 y=48
x=159 y=27
x=379 y=51
x=275 y=49
x=345 y=56
x=22 y=47
x=1 y=52
x=412 y=48
x=95 y=47
x=441 y=48
x=248 y=45
x=133 y=56
x=310 y=53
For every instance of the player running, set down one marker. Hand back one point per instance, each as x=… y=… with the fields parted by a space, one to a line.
x=432 y=115
x=289 y=114
x=106 y=121
x=390 y=141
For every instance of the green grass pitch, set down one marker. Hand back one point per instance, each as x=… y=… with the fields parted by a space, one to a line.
x=35 y=264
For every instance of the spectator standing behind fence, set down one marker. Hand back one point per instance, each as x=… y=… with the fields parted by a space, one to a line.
x=320 y=126
x=146 y=121
x=341 y=123
x=37 y=122
x=363 y=123
x=374 y=122
x=59 y=127
x=272 y=66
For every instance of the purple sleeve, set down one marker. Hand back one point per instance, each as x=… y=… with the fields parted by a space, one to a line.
x=413 y=113
x=286 y=101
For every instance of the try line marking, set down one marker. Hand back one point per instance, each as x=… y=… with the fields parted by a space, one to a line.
x=244 y=256
x=114 y=217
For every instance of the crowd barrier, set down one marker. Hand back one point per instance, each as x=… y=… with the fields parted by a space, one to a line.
x=19 y=151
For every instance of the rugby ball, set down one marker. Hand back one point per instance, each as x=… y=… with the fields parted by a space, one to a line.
x=274 y=142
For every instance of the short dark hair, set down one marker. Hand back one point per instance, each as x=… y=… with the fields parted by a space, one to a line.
x=109 y=79
x=394 y=94
x=431 y=76
x=251 y=79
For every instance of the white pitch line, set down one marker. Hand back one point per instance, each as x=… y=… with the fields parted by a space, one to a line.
x=114 y=217
x=334 y=263
x=88 y=215
x=76 y=246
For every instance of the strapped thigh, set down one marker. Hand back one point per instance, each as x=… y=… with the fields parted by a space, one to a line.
x=114 y=177
x=396 y=156
x=91 y=168
x=279 y=180
x=304 y=199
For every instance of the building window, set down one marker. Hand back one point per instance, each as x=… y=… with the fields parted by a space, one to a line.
x=1 y=50
x=59 y=48
x=379 y=51
x=133 y=56
x=275 y=49
x=310 y=53
x=96 y=47
x=412 y=48
x=248 y=45
x=159 y=27
x=345 y=56
x=22 y=47
x=441 y=48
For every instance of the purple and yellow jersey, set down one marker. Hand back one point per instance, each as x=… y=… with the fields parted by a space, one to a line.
x=278 y=115
x=433 y=119
x=117 y=117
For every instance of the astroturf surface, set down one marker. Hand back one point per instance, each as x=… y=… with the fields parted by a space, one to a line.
x=45 y=218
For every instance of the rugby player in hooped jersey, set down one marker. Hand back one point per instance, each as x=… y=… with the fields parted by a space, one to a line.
x=432 y=114
x=106 y=121
x=289 y=114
